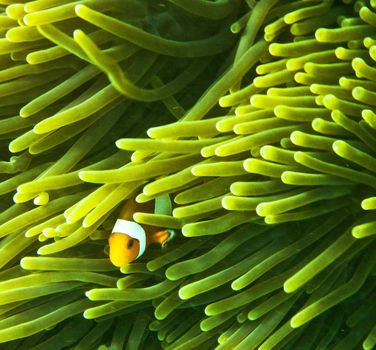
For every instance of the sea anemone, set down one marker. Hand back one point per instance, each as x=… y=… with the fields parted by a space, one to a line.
x=257 y=118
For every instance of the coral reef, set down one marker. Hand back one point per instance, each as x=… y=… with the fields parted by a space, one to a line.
x=258 y=118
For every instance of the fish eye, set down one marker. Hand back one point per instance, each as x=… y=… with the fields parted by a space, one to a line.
x=130 y=243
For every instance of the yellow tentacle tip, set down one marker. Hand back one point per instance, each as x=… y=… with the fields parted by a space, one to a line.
x=78 y=9
x=78 y=34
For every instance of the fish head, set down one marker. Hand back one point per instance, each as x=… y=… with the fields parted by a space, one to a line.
x=123 y=249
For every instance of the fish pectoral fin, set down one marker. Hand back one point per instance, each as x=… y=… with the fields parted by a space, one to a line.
x=160 y=237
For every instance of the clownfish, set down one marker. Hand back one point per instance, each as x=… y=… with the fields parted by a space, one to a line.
x=129 y=239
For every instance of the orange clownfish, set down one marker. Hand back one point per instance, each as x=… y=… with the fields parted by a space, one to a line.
x=129 y=239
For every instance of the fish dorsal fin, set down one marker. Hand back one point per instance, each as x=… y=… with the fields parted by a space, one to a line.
x=163 y=205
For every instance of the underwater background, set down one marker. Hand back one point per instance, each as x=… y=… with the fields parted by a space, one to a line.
x=258 y=118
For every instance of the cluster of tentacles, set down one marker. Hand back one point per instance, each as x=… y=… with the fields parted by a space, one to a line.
x=258 y=118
